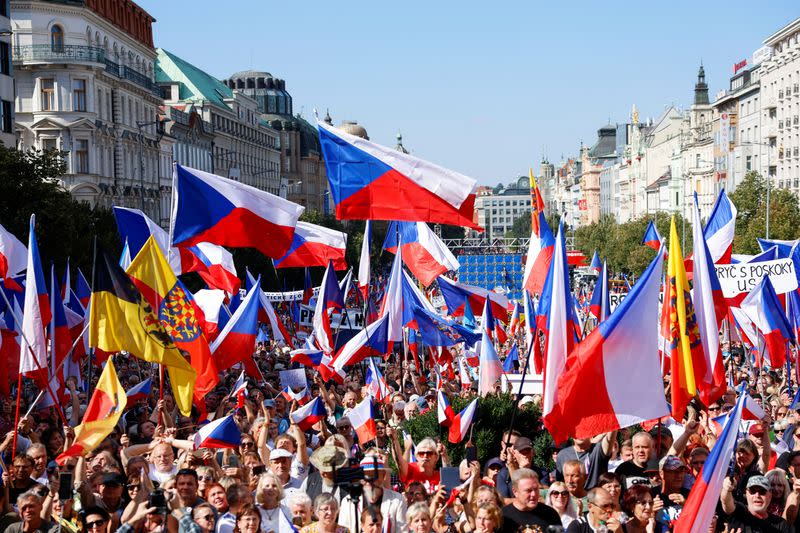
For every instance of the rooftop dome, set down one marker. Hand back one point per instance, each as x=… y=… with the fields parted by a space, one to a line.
x=251 y=74
x=354 y=128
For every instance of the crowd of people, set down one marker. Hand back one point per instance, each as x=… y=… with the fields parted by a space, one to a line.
x=147 y=475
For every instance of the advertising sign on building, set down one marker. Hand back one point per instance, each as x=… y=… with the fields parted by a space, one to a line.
x=724 y=132
x=762 y=54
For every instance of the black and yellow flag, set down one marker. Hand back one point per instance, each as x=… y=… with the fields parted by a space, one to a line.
x=122 y=320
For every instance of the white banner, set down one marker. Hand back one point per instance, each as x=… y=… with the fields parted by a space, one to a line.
x=743 y=277
x=291 y=296
x=354 y=319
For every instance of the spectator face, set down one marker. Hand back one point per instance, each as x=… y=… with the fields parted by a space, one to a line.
x=218 y=498
x=526 y=494
x=280 y=404
x=22 y=469
x=574 y=479
x=794 y=466
x=777 y=488
x=614 y=489
x=524 y=457
x=370 y=524
x=349 y=400
x=248 y=444
x=642 y=448
x=187 y=488
x=420 y=523
x=147 y=429
x=56 y=443
x=29 y=511
x=758 y=500
x=781 y=412
x=204 y=517
x=697 y=461
x=273 y=430
x=163 y=458
x=415 y=493
x=39 y=457
x=96 y=523
x=643 y=510
x=743 y=458
x=281 y=467
x=602 y=508
x=427 y=458
x=111 y=493
x=327 y=514
x=303 y=512
x=484 y=522
x=626 y=453
x=671 y=480
x=286 y=444
x=271 y=490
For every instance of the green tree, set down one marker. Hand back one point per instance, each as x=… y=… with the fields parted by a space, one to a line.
x=65 y=228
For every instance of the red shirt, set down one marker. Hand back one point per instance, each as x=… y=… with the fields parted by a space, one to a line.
x=415 y=473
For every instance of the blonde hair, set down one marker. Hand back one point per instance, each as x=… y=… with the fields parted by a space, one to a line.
x=262 y=482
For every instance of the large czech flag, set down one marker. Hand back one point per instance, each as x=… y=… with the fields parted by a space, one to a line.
x=455 y=295
x=764 y=308
x=372 y=182
x=423 y=252
x=720 y=228
x=222 y=433
x=314 y=245
x=36 y=316
x=13 y=254
x=237 y=340
x=214 y=209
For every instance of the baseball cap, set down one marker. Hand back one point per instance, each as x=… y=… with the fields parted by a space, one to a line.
x=280 y=453
x=413 y=398
x=756 y=430
x=759 y=481
x=523 y=443
x=670 y=462
x=494 y=461
x=112 y=478
x=372 y=462
x=269 y=403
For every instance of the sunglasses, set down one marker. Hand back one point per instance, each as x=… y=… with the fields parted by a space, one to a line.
x=645 y=503
x=607 y=507
x=132 y=487
x=757 y=490
x=425 y=453
x=247 y=444
x=98 y=523
x=562 y=493
x=209 y=517
x=206 y=477
x=344 y=428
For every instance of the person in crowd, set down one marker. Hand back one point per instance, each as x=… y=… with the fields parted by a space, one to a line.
x=391 y=504
x=30 y=511
x=238 y=497
x=634 y=470
x=779 y=486
x=491 y=470
x=326 y=509
x=611 y=482
x=670 y=495
x=594 y=455
x=371 y=520
x=753 y=515
x=424 y=470
x=559 y=498
x=204 y=517
x=519 y=456
x=419 y=519
x=301 y=507
x=602 y=513
x=269 y=494
x=525 y=508
x=637 y=504
x=248 y=520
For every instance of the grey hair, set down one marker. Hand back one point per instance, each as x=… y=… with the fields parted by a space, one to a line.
x=416 y=510
x=29 y=496
x=522 y=473
x=298 y=498
x=325 y=499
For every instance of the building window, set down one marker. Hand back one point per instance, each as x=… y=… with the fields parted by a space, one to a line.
x=57 y=38
x=49 y=144
x=48 y=95
x=5 y=115
x=79 y=95
x=5 y=57
x=749 y=164
x=81 y=156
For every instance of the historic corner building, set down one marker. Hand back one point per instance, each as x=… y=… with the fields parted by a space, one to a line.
x=84 y=72
x=7 y=137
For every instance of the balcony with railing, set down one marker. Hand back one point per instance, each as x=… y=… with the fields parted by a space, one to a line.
x=68 y=53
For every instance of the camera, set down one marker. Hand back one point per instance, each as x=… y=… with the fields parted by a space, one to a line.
x=158 y=500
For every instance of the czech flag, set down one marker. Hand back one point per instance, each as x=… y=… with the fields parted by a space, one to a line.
x=596 y=264
x=363 y=421
x=301 y=397
x=651 y=237
x=720 y=228
x=511 y=358
x=329 y=299
x=443 y=409
x=222 y=433
x=376 y=385
x=370 y=341
x=538 y=258
x=513 y=326
x=423 y=252
x=217 y=270
x=490 y=366
x=702 y=502
x=600 y=306
x=237 y=340
x=239 y=390
x=764 y=308
x=277 y=327
x=309 y=414
x=455 y=295
x=140 y=391
x=459 y=427
x=595 y=392
x=709 y=309
x=13 y=254
x=363 y=262
x=373 y=182
x=210 y=208
x=210 y=302
x=36 y=315
x=314 y=245
x=309 y=355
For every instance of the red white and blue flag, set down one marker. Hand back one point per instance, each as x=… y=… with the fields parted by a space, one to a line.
x=444 y=412
x=140 y=391
x=376 y=384
x=239 y=390
x=513 y=326
x=217 y=270
x=309 y=414
x=652 y=238
x=709 y=310
x=490 y=366
x=703 y=500
x=720 y=228
x=538 y=258
x=302 y=397
x=309 y=355
x=596 y=264
x=600 y=304
x=363 y=262
x=314 y=245
x=764 y=308
x=13 y=254
x=210 y=208
x=425 y=255
x=595 y=393
x=511 y=358
x=363 y=421
x=237 y=340
x=368 y=342
x=36 y=315
x=373 y=182
x=329 y=299
x=222 y=433
x=455 y=295
x=459 y=426
x=277 y=327
x=82 y=290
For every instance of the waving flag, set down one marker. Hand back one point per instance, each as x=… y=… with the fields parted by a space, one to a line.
x=370 y=181
x=425 y=255
x=559 y=332
x=217 y=270
x=214 y=209
x=363 y=263
x=455 y=294
x=177 y=312
x=703 y=500
x=459 y=427
x=513 y=326
x=237 y=340
x=276 y=325
x=328 y=299
x=13 y=254
x=302 y=397
x=537 y=203
x=687 y=359
x=370 y=341
x=511 y=358
x=444 y=412
x=239 y=390
x=539 y=255
x=309 y=414
x=651 y=237
x=376 y=385
x=314 y=245
x=720 y=228
x=36 y=315
x=82 y=290
x=595 y=392
x=210 y=302
x=710 y=308
x=102 y=414
x=140 y=391
x=490 y=366
x=596 y=263
x=600 y=305
x=309 y=355
x=222 y=433
x=363 y=421
x=764 y=308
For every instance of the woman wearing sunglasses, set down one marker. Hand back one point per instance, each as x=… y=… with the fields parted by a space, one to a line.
x=558 y=498
x=204 y=517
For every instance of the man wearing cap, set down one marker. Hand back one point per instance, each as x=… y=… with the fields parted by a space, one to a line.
x=326 y=460
x=594 y=456
x=760 y=438
x=109 y=493
x=754 y=517
x=391 y=504
x=669 y=496
x=520 y=455
x=280 y=462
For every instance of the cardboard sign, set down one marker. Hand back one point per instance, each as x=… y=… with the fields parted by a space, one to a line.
x=743 y=277
x=353 y=319
x=295 y=378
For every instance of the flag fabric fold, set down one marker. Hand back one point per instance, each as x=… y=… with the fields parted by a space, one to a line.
x=425 y=255
x=314 y=245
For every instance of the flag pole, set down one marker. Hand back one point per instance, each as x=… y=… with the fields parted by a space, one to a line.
x=519 y=393
x=89 y=359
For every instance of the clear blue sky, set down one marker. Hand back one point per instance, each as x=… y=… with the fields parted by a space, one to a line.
x=483 y=88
